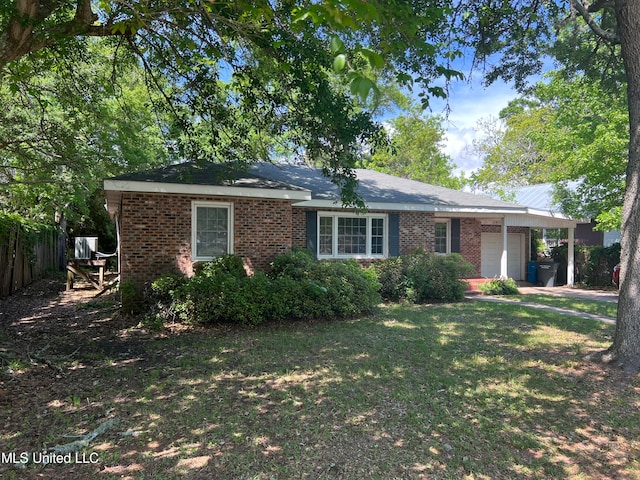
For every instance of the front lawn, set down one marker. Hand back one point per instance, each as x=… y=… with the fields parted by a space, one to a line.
x=467 y=390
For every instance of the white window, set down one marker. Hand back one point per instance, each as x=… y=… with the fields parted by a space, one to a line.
x=211 y=230
x=347 y=236
x=442 y=243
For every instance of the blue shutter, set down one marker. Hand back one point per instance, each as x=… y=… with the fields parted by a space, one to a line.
x=312 y=232
x=394 y=234
x=455 y=235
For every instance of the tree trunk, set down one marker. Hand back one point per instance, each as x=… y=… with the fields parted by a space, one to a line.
x=625 y=351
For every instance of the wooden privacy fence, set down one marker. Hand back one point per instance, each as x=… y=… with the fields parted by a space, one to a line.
x=26 y=254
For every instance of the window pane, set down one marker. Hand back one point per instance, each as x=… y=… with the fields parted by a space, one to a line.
x=377 y=236
x=212 y=231
x=441 y=238
x=352 y=236
x=325 y=246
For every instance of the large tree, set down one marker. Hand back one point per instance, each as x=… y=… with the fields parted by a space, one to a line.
x=63 y=130
x=569 y=127
x=416 y=151
x=240 y=76
x=625 y=350
x=616 y=27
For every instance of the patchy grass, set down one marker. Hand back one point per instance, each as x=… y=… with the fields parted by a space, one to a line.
x=469 y=390
x=594 y=307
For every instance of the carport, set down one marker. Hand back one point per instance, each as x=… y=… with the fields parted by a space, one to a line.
x=505 y=253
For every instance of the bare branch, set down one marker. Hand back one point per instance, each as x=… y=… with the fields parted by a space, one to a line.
x=585 y=11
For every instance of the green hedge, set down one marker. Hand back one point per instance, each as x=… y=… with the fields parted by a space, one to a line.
x=423 y=277
x=594 y=264
x=598 y=269
x=299 y=288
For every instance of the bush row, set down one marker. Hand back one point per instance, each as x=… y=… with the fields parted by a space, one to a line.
x=423 y=277
x=301 y=288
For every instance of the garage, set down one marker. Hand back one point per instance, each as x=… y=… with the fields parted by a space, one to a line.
x=491 y=252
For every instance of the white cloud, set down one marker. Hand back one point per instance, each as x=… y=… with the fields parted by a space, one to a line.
x=468 y=103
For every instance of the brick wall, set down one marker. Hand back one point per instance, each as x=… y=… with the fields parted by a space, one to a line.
x=417 y=231
x=471 y=242
x=299 y=227
x=156 y=233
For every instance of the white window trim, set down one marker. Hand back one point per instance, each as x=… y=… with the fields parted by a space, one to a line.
x=448 y=247
x=194 y=212
x=334 y=235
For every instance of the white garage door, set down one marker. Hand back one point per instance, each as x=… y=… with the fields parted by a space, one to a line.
x=492 y=251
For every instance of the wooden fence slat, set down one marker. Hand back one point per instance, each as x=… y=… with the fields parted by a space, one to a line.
x=6 y=263
x=18 y=270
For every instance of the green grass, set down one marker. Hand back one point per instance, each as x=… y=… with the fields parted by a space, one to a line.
x=469 y=390
x=595 y=307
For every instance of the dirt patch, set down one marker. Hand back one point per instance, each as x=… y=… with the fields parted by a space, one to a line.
x=51 y=343
x=45 y=321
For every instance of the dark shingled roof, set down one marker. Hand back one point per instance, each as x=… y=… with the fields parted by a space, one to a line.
x=206 y=174
x=374 y=187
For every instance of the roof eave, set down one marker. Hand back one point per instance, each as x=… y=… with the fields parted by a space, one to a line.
x=417 y=207
x=199 y=189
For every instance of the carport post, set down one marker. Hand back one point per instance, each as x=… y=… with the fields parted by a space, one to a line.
x=570 y=256
x=504 y=271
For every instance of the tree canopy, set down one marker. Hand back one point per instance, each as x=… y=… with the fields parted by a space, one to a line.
x=64 y=130
x=566 y=129
x=416 y=151
x=236 y=79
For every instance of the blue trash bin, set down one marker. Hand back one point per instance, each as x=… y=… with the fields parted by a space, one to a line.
x=532 y=272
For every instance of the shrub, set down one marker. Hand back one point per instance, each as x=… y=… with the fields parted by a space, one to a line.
x=163 y=287
x=295 y=264
x=499 y=286
x=160 y=298
x=225 y=264
x=350 y=290
x=599 y=265
x=218 y=298
x=301 y=289
x=391 y=275
x=423 y=277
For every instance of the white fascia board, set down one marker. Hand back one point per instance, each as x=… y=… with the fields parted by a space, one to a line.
x=549 y=214
x=533 y=220
x=414 y=207
x=558 y=215
x=193 y=189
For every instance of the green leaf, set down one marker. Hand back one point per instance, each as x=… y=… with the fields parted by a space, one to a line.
x=376 y=61
x=337 y=45
x=362 y=86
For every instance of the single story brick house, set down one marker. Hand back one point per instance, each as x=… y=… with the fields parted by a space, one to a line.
x=172 y=217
